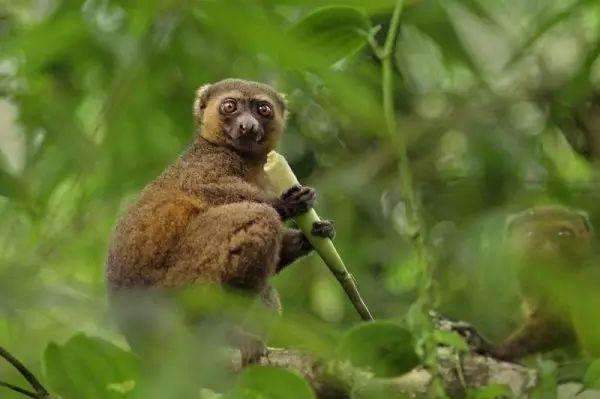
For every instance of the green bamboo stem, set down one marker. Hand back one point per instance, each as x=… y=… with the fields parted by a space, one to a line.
x=282 y=178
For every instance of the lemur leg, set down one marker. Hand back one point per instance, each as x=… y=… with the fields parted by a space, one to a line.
x=235 y=244
x=270 y=298
x=251 y=346
x=294 y=243
x=536 y=335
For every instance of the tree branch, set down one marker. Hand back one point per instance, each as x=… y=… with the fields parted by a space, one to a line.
x=459 y=373
x=40 y=391
x=19 y=389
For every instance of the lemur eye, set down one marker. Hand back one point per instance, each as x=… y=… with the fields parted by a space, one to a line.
x=565 y=233
x=228 y=106
x=265 y=110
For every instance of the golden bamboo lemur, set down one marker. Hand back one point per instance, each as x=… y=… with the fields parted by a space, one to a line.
x=211 y=216
x=552 y=241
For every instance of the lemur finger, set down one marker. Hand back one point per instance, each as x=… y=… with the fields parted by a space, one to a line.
x=307 y=196
x=290 y=191
x=323 y=228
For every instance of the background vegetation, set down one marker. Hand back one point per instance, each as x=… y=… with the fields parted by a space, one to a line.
x=498 y=102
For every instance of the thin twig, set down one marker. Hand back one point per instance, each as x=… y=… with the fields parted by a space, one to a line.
x=19 y=390
x=28 y=375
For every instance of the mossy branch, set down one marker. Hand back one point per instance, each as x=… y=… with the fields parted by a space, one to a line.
x=458 y=373
x=282 y=178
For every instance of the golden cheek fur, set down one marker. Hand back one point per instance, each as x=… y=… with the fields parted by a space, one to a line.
x=211 y=127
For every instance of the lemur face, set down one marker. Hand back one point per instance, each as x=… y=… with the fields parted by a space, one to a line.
x=245 y=120
x=550 y=234
x=245 y=116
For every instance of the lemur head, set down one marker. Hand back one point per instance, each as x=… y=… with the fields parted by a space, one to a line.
x=550 y=234
x=245 y=116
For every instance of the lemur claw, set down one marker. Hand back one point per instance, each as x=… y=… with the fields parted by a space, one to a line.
x=323 y=228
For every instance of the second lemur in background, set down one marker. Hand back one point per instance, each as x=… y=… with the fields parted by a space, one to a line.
x=547 y=241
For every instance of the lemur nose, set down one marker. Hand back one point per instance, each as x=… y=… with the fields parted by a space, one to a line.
x=246 y=127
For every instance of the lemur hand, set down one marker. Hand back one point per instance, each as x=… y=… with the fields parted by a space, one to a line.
x=295 y=201
x=323 y=228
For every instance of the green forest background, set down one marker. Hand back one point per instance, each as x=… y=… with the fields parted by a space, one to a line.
x=498 y=101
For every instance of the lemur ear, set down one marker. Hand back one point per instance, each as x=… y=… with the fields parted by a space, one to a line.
x=202 y=95
x=586 y=220
x=284 y=103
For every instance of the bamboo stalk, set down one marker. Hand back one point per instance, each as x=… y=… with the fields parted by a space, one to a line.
x=282 y=178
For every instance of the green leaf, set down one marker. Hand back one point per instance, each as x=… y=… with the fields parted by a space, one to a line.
x=490 y=392
x=334 y=32
x=452 y=339
x=384 y=347
x=545 y=27
x=267 y=382
x=548 y=384
x=568 y=164
x=591 y=380
x=86 y=367
x=434 y=19
x=484 y=47
x=572 y=370
x=48 y=40
x=10 y=186
x=378 y=391
x=420 y=60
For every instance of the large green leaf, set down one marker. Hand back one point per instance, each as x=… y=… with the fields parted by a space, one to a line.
x=270 y=383
x=378 y=391
x=546 y=26
x=86 y=367
x=335 y=32
x=490 y=392
x=451 y=339
x=591 y=380
x=10 y=186
x=433 y=20
x=385 y=348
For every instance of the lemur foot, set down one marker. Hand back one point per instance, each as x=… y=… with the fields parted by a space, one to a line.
x=295 y=201
x=323 y=228
x=476 y=342
x=251 y=346
x=252 y=351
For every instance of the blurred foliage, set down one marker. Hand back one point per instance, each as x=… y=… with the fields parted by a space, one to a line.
x=384 y=347
x=108 y=372
x=270 y=382
x=499 y=102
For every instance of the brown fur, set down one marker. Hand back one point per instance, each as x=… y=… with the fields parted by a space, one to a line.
x=210 y=216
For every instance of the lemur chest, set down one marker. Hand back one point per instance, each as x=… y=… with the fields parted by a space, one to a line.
x=258 y=178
